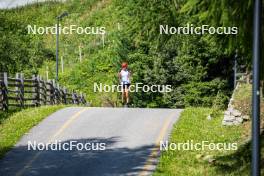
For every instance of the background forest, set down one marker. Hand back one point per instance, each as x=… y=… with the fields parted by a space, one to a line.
x=199 y=67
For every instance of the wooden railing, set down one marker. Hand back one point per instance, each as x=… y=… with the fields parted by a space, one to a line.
x=22 y=92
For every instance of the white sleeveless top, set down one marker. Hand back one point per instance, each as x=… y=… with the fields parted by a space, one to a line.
x=125 y=77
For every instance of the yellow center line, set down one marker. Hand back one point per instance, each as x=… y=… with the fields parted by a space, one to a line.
x=155 y=151
x=61 y=129
x=67 y=123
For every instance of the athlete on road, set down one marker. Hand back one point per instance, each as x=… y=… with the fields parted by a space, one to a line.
x=124 y=79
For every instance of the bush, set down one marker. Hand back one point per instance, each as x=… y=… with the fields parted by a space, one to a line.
x=206 y=94
x=221 y=100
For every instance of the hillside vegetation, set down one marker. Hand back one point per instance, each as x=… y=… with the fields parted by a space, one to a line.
x=199 y=67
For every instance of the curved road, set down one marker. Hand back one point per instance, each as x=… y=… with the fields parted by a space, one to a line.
x=118 y=141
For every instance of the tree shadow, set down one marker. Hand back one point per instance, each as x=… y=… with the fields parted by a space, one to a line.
x=6 y=114
x=238 y=162
x=113 y=160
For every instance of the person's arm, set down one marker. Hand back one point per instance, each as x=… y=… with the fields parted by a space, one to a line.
x=119 y=76
x=129 y=74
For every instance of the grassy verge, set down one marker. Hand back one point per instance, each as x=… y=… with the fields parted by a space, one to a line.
x=242 y=102
x=13 y=125
x=193 y=125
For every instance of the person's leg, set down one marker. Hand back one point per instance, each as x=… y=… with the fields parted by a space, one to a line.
x=123 y=94
x=127 y=96
x=127 y=93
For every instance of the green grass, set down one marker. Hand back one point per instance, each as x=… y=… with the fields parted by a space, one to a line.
x=193 y=125
x=242 y=98
x=15 y=124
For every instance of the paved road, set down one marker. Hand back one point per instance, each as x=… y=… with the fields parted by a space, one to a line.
x=123 y=140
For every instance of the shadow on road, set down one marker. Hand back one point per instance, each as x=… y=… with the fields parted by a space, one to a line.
x=112 y=161
x=239 y=161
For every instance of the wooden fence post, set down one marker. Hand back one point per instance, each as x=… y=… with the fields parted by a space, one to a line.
x=53 y=92
x=33 y=90
x=57 y=93
x=64 y=95
x=77 y=98
x=21 y=78
x=84 y=100
x=44 y=88
x=81 y=98
x=5 y=92
x=1 y=92
x=42 y=92
x=36 y=90
x=17 y=88
x=49 y=92
x=73 y=97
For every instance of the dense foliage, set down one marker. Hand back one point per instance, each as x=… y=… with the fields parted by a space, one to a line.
x=21 y=52
x=199 y=67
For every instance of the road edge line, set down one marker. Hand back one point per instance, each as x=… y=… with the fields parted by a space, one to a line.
x=155 y=151
x=61 y=129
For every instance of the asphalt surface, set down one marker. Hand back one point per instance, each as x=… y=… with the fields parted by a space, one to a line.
x=119 y=141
